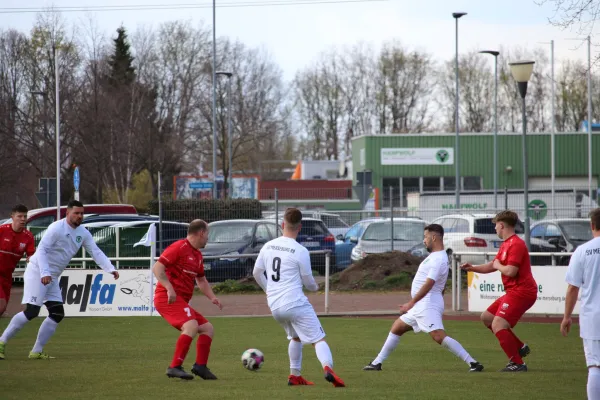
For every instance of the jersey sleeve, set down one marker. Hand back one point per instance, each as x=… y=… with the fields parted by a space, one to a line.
x=306 y=271
x=169 y=257
x=30 y=246
x=97 y=254
x=46 y=244
x=439 y=269
x=575 y=271
x=259 y=270
x=515 y=255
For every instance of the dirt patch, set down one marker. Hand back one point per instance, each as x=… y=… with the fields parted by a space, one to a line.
x=393 y=270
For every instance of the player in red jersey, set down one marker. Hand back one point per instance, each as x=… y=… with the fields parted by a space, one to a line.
x=178 y=270
x=15 y=241
x=514 y=264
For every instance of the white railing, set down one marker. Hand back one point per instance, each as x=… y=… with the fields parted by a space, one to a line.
x=487 y=256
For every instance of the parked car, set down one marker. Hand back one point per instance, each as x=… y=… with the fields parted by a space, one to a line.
x=89 y=218
x=235 y=237
x=343 y=248
x=334 y=222
x=377 y=237
x=558 y=235
x=471 y=233
x=42 y=217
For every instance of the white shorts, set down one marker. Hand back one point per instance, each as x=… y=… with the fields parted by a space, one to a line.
x=425 y=320
x=35 y=292
x=300 y=322
x=591 y=348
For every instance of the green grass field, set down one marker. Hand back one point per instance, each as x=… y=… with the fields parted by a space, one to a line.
x=126 y=358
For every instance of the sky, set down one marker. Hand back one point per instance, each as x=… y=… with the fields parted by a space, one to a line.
x=296 y=35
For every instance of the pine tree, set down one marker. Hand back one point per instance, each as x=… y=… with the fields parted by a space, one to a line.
x=121 y=61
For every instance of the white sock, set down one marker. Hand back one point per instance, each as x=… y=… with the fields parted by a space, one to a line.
x=15 y=325
x=46 y=331
x=593 y=384
x=456 y=349
x=295 y=353
x=390 y=345
x=324 y=354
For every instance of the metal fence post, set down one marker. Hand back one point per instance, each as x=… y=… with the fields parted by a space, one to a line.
x=118 y=244
x=453 y=283
x=458 y=283
x=83 y=264
x=276 y=208
x=327 y=266
x=392 y=216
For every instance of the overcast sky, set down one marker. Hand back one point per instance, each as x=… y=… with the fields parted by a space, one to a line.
x=295 y=34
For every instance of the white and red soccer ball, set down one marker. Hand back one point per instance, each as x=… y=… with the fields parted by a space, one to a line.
x=253 y=359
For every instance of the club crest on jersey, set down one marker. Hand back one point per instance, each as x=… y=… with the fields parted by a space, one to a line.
x=504 y=306
x=22 y=246
x=78 y=239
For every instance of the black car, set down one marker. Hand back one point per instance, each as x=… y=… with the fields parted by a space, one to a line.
x=119 y=218
x=559 y=235
x=235 y=237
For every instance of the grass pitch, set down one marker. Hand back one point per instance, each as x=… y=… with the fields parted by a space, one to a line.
x=126 y=358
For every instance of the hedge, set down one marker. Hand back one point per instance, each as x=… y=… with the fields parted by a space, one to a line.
x=209 y=210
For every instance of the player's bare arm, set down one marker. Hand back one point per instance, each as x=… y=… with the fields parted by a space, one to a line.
x=159 y=272
x=205 y=288
x=420 y=294
x=508 y=270
x=571 y=299
x=480 y=269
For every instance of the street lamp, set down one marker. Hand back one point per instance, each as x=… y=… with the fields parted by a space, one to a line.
x=456 y=16
x=214 y=99
x=521 y=72
x=45 y=97
x=495 y=54
x=229 y=139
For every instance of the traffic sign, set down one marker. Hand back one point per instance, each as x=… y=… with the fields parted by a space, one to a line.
x=76 y=179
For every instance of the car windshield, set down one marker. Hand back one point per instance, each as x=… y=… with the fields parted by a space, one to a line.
x=577 y=230
x=403 y=231
x=230 y=233
x=485 y=226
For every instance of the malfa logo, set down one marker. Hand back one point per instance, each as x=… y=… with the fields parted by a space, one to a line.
x=442 y=156
x=78 y=239
x=537 y=209
x=87 y=293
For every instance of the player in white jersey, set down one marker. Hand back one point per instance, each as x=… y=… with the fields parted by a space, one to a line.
x=281 y=269
x=584 y=274
x=61 y=241
x=424 y=311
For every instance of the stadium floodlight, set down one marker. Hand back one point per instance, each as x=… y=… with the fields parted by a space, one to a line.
x=229 y=138
x=456 y=16
x=521 y=72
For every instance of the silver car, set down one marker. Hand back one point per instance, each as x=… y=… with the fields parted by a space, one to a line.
x=377 y=238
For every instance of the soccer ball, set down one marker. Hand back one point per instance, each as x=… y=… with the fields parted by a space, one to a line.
x=253 y=359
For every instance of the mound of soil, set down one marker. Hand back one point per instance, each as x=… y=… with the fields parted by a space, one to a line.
x=393 y=270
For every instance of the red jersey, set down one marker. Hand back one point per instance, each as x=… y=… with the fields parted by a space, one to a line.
x=514 y=252
x=12 y=247
x=184 y=263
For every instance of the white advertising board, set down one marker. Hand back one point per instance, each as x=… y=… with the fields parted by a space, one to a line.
x=95 y=293
x=417 y=156
x=484 y=289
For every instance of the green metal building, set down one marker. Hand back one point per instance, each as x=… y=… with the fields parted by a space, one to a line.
x=425 y=162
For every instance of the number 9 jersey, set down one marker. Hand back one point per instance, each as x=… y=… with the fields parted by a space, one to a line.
x=281 y=269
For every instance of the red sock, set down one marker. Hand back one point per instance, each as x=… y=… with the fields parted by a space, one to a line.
x=516 y=338
x=181 y=350
x=203 y=349
x=510 y=345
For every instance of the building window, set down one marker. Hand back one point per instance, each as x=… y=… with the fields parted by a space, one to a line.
x=471 y=183
x=449 y=183
x=431 y=184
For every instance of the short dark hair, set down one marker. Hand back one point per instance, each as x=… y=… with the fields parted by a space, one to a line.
x=509 y=217
x=595 y=218
x=74 y=203
x=292 y=217
x=435 y=228
x=196 y=226
x=19 y=208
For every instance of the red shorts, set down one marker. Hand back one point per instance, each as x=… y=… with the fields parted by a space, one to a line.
x=177 y=313
x=512 y=306
x=5 y=286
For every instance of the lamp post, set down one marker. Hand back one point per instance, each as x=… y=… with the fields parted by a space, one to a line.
x=214 y=99
x=521 y=72
x=57 y=131
x=456 y=16
x=44 y=95
x=229 y=139
x=553 y=133
x=495 y=54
